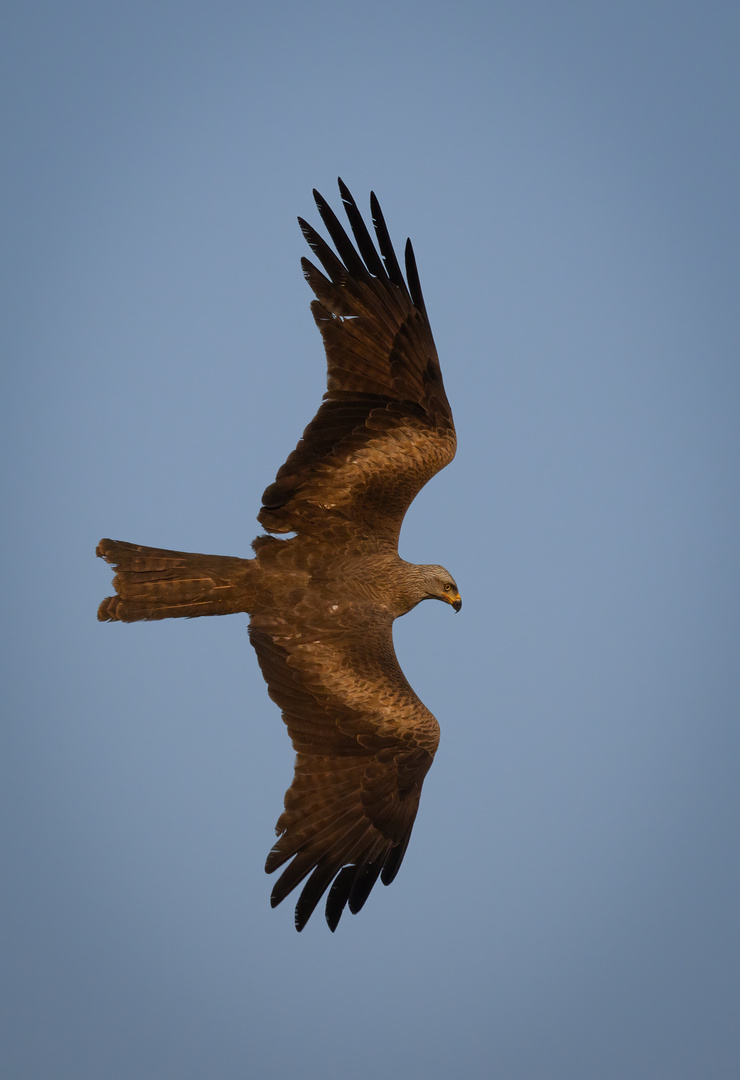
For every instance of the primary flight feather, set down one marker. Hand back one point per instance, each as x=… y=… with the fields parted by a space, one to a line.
x=322 y=601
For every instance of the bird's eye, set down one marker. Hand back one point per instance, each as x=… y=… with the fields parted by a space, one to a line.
x=447 y=587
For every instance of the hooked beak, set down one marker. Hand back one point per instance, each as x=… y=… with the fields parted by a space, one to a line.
x=456 y=604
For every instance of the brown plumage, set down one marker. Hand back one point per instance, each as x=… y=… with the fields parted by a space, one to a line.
x=322 y=602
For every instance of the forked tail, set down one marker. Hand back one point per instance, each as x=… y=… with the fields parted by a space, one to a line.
x=153 y=583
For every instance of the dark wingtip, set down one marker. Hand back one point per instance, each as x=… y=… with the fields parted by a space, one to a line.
x=412 y=276
x=386 y=245
x=346 y=194
x=336 y=901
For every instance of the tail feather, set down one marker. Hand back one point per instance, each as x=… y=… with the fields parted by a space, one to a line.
x=153 y=583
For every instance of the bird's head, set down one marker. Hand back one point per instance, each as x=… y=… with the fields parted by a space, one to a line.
x=440 y=585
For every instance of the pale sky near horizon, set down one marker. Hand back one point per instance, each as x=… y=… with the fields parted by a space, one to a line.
x=569 y=175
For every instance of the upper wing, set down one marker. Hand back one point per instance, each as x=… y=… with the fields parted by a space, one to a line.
x=385 y=426
x=364 y=744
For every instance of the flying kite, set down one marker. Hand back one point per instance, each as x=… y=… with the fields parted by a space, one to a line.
x=321 y=602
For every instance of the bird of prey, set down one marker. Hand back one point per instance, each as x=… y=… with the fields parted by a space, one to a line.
x=321 y=601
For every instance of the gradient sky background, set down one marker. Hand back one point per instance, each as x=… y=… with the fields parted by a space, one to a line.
x=569 y=173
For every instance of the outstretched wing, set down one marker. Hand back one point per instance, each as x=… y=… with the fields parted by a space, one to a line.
x=364 y=744
x=385 y=426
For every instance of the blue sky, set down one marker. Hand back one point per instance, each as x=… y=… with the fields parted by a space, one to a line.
x=569 y=176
